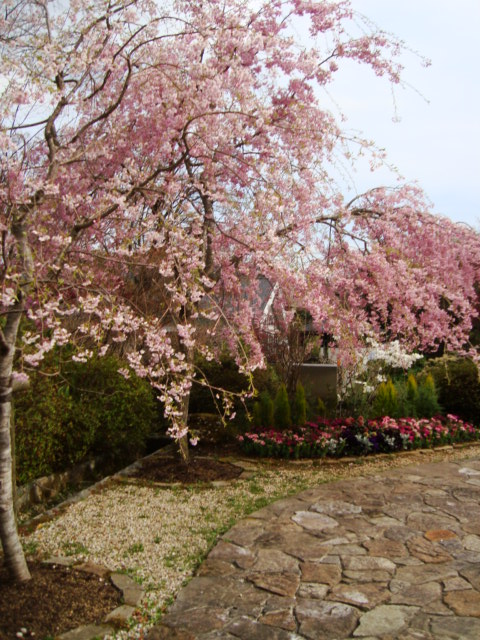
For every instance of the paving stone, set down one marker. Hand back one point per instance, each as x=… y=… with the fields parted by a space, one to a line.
x=295 y=542
x=385 y=619
x=164 y=632
x=405 y=593
x=456 y=628
x=232 y=553
x=472 y=574
x=217 y=592
x=198 y=620
x=456 y=584
x=330 y=574
x=248 y=629
x=282 y=619
x=314 y=521
x=471 y=527
x=427 y=551
x=365 y=596
x=425 y=521
x=281 y=584
x=425 y=573
x=274 y=561
x=464 y=603
x=472 y=543
x=336 y=508
x=246 y=532
x=439 y=535
x=325 y=620
x=366 y=576
x=215 y=567
x=470 y=494
x=399 y=533
x=385 y=521
x=350 y=550
x=383 y=547
x=389 y=557
x=313 y=590
x=368 y=563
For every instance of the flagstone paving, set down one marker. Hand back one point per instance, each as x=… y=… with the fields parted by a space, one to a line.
x=391 y=556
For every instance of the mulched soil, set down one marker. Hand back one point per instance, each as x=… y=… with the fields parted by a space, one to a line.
x=55 y=600
x=172 y=469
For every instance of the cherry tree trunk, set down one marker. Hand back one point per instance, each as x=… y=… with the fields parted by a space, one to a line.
x=183 y=441
x=12 y=549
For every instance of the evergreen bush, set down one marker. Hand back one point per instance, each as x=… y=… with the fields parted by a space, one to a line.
x=427 y=404
x=386 y=400
x=87 y=409
x=457 y=383
x=266 y=410
x=257 y=415
x=300 y=406
x=282 y=415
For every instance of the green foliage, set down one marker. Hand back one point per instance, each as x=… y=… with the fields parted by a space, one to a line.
x=85 y=409
x=281 y=411
x=321 y=409
x=257 y=415
x=300 y=405
x=412 y=389
x=386 y=400
x=222 y=374
x=427 y=404
x=266 y=410
x=457 y=382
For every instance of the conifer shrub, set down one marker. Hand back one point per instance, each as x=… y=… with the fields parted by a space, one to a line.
x=386 y=400
x=427 y=404
x=257 y=415
x=281 y=413
x=300 y=405
x=266 y=410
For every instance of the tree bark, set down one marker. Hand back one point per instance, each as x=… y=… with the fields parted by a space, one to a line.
x=183 y=441
x=14 y=556
x=12 y=549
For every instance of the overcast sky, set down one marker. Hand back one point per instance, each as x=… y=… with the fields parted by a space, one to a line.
x=437 y=140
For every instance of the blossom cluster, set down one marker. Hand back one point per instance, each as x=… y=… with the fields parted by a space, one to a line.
x=356 y=436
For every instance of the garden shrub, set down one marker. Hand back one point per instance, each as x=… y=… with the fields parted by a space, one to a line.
x=266 y=410
x=457 y=383
x=87 y=409
x=222 y=374
x=281 y=409
x=386 y=400
x=427 y=404
x=411 y=396
x=300 y=405
x=257 y=415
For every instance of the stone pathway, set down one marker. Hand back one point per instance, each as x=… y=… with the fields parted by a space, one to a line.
x=390 y=556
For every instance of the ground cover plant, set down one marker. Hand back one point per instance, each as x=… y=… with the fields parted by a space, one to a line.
x=358 y=437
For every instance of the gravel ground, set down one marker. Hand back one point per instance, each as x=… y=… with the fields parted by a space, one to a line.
x=159 y=535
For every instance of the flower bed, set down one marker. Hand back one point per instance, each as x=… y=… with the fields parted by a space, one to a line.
x=358 y=437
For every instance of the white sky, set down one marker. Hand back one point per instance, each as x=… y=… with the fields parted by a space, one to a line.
x=436 y=143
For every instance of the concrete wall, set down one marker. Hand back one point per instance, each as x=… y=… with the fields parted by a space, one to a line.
x=320 y=380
